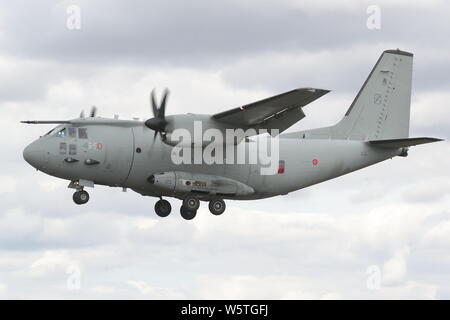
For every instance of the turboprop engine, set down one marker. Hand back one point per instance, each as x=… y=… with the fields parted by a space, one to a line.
x=179 y=181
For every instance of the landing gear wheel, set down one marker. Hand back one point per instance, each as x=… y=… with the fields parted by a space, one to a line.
x=187 y=214
x=163 y=208
x=217 y=206
x=191 y=202
x=81 y=197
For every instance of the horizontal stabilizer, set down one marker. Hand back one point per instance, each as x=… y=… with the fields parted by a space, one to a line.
x=400 y=143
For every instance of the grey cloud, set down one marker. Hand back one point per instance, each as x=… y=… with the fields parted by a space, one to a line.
x=199 y=32
x=21 y=230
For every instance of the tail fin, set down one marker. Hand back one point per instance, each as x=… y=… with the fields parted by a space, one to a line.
x=381 y=108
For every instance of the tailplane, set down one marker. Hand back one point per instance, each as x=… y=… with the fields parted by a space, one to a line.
x=402 y=143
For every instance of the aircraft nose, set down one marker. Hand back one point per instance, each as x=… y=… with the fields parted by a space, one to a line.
x=27 y=154
x=34 y=156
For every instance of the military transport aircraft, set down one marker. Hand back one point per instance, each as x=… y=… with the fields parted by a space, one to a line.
x=137 y=154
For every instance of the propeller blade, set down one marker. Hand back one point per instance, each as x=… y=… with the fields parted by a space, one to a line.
x=162 y=108
x=93 y=111
x=153 y=103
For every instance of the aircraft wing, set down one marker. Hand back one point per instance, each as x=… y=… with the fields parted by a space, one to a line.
x=90 y=121
x=277 y=112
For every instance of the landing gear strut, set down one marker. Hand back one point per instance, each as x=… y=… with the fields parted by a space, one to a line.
x=163 y=208
x=187 y=214
x=81 y=197
x=217 y=206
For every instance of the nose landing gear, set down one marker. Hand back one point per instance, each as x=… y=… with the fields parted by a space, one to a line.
x=81 y=197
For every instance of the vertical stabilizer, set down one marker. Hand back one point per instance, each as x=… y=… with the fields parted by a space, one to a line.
x=381 y=109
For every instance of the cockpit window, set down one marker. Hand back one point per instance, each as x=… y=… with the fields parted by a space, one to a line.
x=72 y=132
x=55 y=129
x=61 y=133
x=82 y=133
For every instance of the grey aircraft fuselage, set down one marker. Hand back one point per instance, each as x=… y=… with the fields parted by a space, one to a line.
x=128 y=156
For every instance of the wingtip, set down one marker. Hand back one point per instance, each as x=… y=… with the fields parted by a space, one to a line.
x=431 y=139
x=315 y=90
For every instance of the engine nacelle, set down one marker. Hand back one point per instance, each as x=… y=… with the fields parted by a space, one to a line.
x=180 y=181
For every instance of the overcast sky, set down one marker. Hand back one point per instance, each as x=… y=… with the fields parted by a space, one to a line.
x=334 y=240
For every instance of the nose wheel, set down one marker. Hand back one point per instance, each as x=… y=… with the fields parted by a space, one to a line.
x=81 y=197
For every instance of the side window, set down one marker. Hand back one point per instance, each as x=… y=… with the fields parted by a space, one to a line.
x=72 y=149
x=62 y=148
x=61 y=133
x=72 y=132
x=82 y=133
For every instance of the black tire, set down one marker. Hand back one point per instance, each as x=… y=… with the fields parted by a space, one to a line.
x=191 y=202
x=187 y=214
x=217 y=207
x=163 y=208
x=81 y=197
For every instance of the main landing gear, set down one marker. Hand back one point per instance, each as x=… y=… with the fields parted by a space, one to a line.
x=188 y=209
x=191 y=204
x=217 y=207
x=163 y=208
x=187 y=214
x=81 y=197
